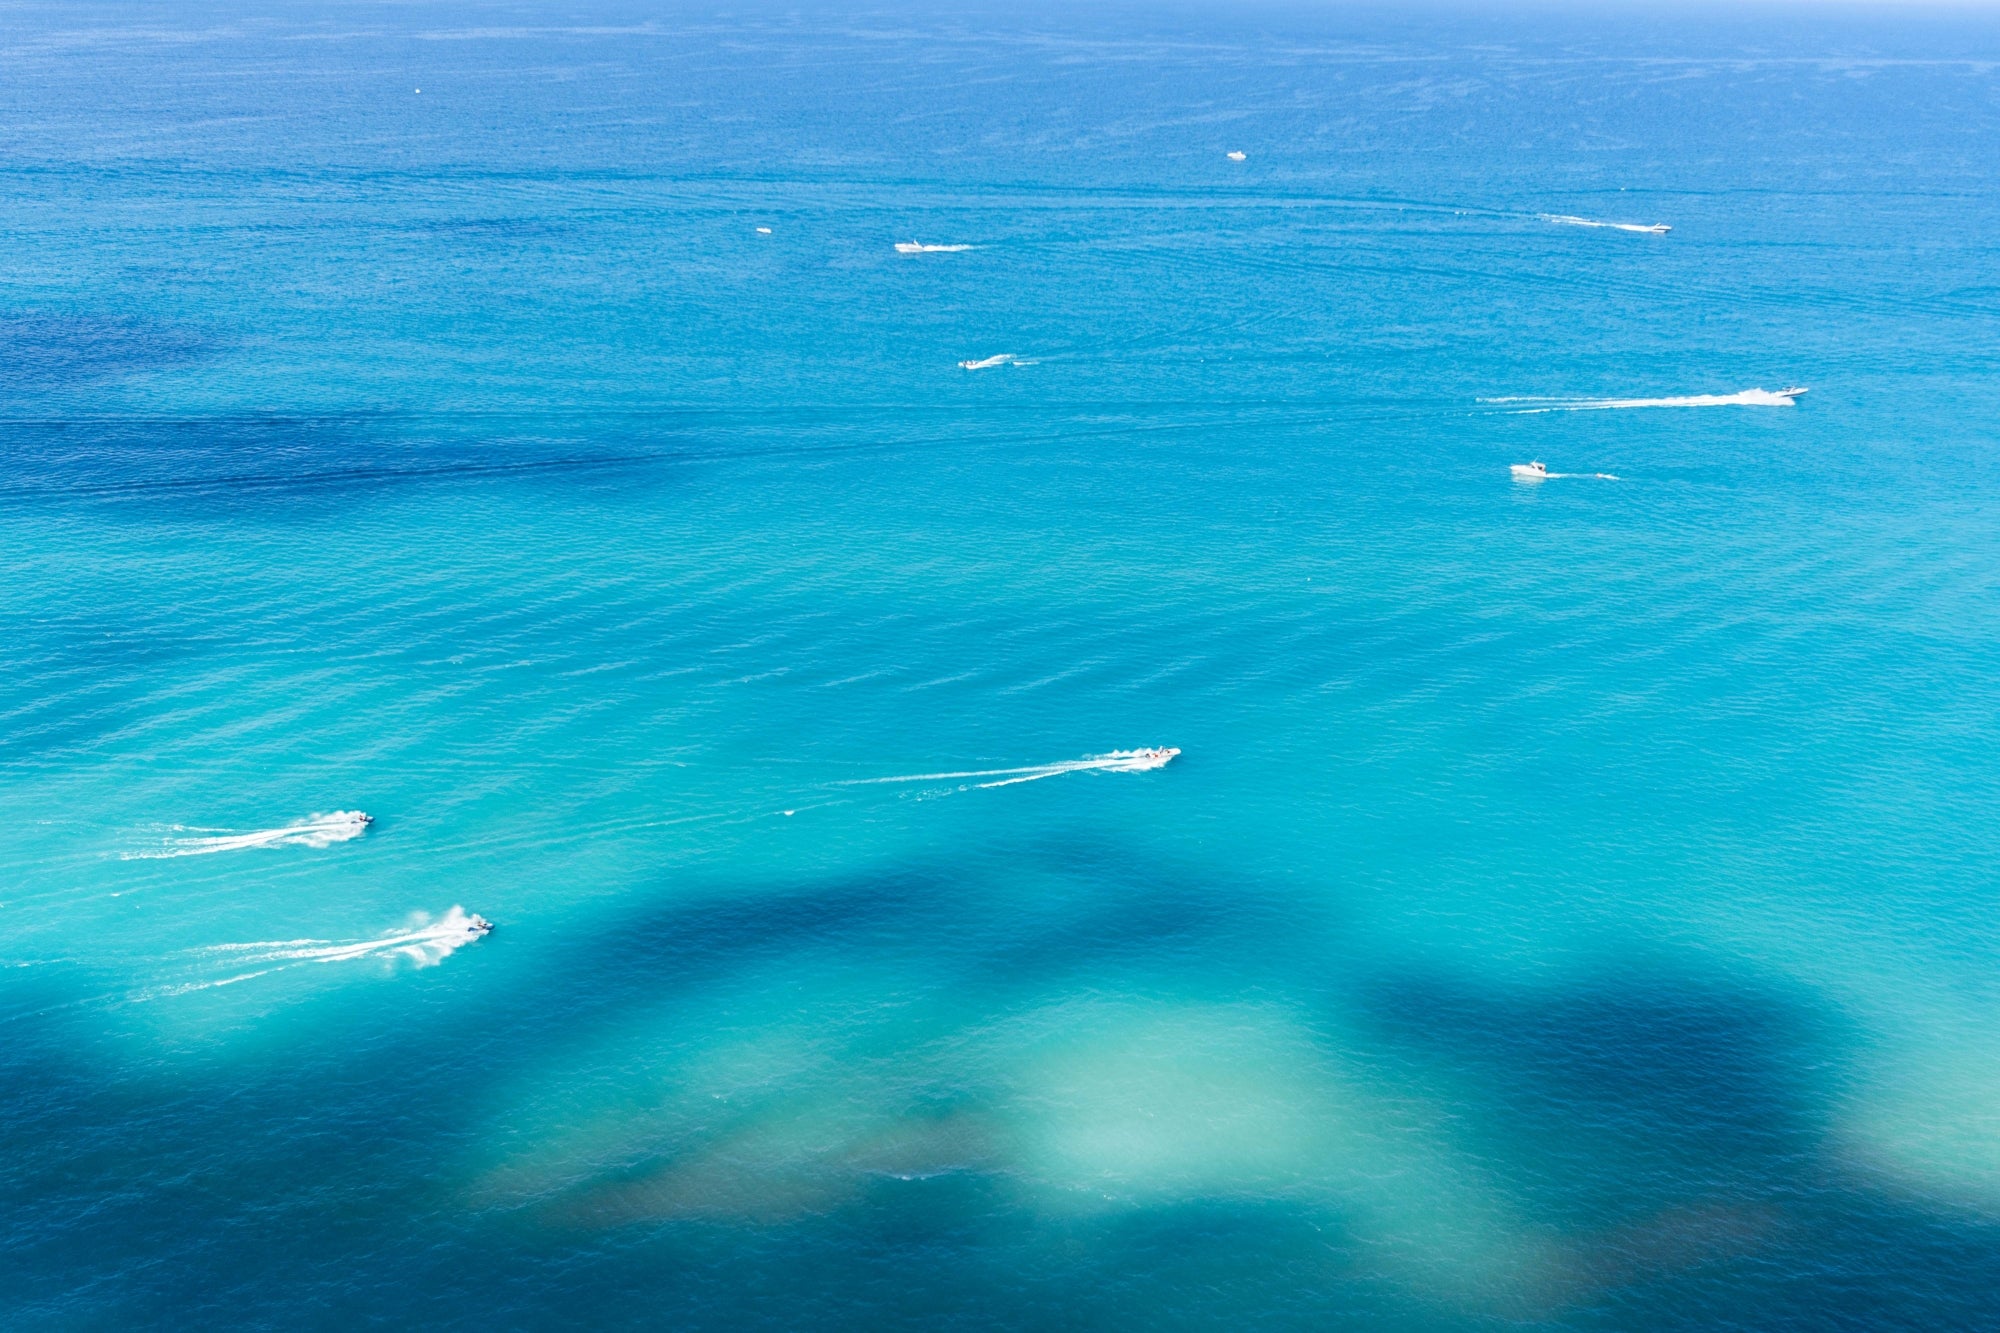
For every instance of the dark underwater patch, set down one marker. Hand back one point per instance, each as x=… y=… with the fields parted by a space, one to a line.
x=1613 y=1089
x=40 y=352
x=193 y=467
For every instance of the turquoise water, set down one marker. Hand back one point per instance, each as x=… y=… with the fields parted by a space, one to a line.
x=1573 y=905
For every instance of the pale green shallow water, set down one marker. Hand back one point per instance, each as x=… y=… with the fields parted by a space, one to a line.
x=1573 y=904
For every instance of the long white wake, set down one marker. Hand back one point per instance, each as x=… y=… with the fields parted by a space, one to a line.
x=1531 y=472
x=424 y=942
x=1747 y=398
x=1117 y=761
x=316 y=831
x=1650 y=229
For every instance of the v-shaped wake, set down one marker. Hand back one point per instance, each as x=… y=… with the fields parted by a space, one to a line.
x=1117 y=761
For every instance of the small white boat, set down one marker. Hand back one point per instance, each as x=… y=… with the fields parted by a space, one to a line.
x=1793 y=392
x=1536 y=471
x=1130 y=761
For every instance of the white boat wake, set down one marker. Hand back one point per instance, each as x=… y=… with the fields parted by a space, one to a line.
x=1540 y=472
x=1747 y=398
x=918 y=248
x=1117 y=761
x=425 y=943
x=990 y=362
x=1653 y=229
x=317 y=831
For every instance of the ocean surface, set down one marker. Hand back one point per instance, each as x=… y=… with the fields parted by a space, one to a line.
x=1574 y=905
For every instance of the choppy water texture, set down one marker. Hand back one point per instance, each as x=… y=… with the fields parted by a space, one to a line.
x=1573 y=904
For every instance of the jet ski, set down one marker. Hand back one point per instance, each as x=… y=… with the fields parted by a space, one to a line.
x=478 y=925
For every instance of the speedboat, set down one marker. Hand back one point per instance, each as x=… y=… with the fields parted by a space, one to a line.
x=1793 y=392
x=1536 y=471
x=1131 y=761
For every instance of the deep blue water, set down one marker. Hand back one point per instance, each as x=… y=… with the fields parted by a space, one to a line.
x=1574 y=905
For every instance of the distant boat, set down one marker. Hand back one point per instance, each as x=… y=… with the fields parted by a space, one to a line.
x=919 y=248
x=1156 y=757
x=1539 y=471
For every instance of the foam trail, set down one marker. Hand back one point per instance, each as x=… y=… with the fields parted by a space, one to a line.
x=988 y=363
x=426 y=943
x=193 y=986
x=1747 y=398
x=1655 y=229
x=316 y=831
x=1532 y=472
x=1117 y=761
x=918 y=248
